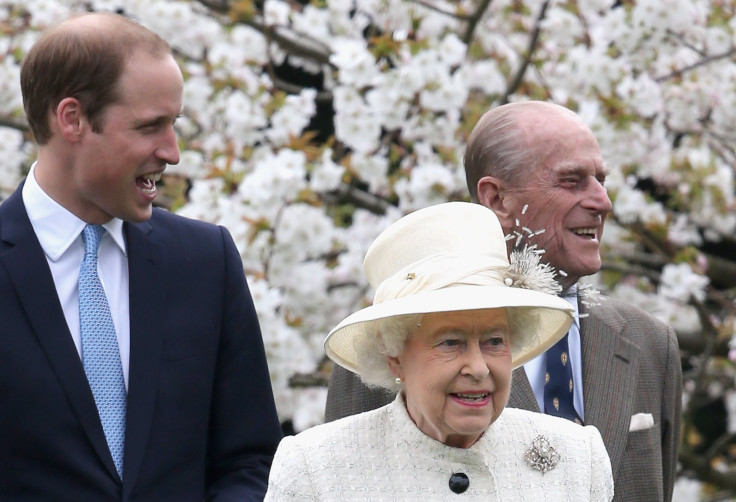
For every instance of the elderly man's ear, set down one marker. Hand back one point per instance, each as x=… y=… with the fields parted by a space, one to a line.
x=493 y=194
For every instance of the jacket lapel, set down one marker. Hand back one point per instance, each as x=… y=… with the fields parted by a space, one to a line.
x=145 y=269
x=610 y=364
x=26 y=264
x=522 y=395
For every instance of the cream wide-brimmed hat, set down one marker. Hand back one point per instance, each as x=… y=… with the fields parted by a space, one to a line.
x=444 y=258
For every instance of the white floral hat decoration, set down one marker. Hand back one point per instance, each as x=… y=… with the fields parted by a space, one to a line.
x=452 y=257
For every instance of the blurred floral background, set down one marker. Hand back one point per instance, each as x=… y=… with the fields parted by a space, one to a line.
x=309 y=126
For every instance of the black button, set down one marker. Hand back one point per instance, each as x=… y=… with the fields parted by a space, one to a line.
x=459 y=482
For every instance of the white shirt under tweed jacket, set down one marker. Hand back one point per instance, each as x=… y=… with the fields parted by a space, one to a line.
x=381 y=455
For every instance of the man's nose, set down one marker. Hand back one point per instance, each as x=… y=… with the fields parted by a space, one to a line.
x=168 y=151
x=596 y=198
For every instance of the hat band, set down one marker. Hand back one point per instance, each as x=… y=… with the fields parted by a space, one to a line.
x=441 y=271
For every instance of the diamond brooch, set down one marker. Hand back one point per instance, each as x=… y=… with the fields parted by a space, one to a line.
x=542 y=456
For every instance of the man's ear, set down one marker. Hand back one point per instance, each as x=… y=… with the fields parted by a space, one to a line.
x=493 y=194
x=70 y=119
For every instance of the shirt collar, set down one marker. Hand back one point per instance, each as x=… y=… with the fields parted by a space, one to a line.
x=571 y=296
x=55 y=226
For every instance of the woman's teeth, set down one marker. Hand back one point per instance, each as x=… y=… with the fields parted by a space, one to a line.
x=472 y=397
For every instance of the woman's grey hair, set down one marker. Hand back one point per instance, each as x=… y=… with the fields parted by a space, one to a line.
x=388 y=338
x=496 y=146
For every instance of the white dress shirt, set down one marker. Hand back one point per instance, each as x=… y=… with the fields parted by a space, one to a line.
x=537 y=367
x=59 y=233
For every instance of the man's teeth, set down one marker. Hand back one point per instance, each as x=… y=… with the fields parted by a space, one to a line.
x=149 y=181
x=585 y=231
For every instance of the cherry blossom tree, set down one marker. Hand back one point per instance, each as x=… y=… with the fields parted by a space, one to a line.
x=311 y=126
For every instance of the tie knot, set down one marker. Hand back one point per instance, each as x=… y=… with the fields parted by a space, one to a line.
x=91 y=236
x=571 y=292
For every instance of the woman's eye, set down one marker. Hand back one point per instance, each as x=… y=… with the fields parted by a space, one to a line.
x=450 y=342
x=496 y=341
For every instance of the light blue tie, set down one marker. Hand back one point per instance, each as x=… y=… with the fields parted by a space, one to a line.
x=100 y=353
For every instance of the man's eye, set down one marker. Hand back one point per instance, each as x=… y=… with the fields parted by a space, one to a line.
x=148 y=128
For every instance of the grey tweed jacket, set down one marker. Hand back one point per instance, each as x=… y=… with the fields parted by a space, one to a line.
x=631 y=366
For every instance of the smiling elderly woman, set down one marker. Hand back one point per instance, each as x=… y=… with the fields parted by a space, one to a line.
x=449 y=321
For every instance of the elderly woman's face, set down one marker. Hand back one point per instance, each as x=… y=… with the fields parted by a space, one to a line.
x=456 y=369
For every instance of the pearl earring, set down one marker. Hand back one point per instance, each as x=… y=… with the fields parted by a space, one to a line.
x=398 y=381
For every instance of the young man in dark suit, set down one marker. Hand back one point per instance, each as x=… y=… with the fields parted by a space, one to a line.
x=131 y=360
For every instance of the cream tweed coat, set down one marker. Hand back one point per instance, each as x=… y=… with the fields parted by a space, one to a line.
x=381 y=455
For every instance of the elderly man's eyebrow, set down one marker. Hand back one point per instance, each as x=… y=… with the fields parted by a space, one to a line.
x=577 y=168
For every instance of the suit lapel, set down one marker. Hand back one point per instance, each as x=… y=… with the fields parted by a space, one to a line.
x=28 y=269
x=610 y=364
x=522 y=395
x=145 y=269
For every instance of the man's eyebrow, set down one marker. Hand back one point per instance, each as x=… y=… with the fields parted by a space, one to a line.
x=578 y=168
x=570 y=168
x=157 y=120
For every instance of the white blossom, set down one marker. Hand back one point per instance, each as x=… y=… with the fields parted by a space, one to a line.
x=326 y=175
x=276 y=12
x=680 y=282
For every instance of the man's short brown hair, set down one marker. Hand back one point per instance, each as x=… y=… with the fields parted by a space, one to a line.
x=82 y=58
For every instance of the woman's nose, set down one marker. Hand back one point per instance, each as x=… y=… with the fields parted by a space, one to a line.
x=475 y=364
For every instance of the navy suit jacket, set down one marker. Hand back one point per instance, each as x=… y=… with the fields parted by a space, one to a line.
x=201 y=422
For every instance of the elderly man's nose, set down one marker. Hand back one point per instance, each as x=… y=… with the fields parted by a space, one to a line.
x=597 y=198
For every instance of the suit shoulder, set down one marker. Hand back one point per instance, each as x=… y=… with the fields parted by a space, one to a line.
x=162 y=217
x=540 y=422
x=179 y=231
x=524 y=426
x=644 y=330
x=623 y=312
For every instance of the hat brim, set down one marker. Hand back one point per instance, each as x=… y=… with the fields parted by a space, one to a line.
x=546 y=319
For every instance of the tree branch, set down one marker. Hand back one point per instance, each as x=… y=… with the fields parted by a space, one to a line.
x=441 y=11
x=298 y=44
x=702 y=62
x=361 y=199
x=702 y=468
x=14 y=124
x=516 y=82
x=474 y=19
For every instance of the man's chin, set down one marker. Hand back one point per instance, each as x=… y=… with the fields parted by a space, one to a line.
x=139 y=216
